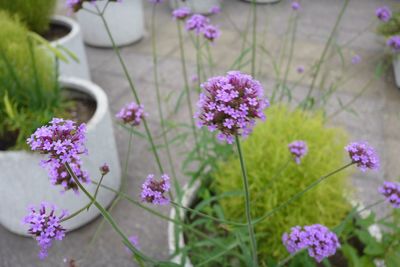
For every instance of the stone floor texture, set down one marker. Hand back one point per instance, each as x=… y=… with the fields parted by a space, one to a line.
x=377 y=119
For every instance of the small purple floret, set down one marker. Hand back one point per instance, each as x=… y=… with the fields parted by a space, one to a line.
x=215 y=10
x=317 y=239
x=45 y=226
x=300 y=69
x=298 y=149
x=181 y=13
x=197 y=23
x=363 y=155
x=131 y=113
x=210 y=32
x=391 y=191
x=231 y=104
x=356 y=59
x=394 y=43
x=153 y=191
x=383 y=13
x=296 y=5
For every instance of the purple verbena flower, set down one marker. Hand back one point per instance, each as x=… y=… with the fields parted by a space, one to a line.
x=197 y=23
x=134 y=239
x=394 y=43
x=63 y=142
x=215 y=10
x=210 y=32
x=300 y=69
x=356 y=59
x=296 y=5
x=45 y=226
x=153 y=191
x=104 y=169
x=383 y=13
x=317 y=239
x=391 y=191
x=181 y=13
x=231 y=104
x=131 y=113
x=298 y=149
x=74 y=5
x=363 y=155
x=155 y=2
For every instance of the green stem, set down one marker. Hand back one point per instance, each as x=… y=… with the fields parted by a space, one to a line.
x=187 y=88
x=133 y=89
x=108 y=217
x=254 y=43
x=247 y=203
x=299 y=194
x=324 y=52
x=97 y=191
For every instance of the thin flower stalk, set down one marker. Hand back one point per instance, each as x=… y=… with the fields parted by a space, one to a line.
x=254 y=41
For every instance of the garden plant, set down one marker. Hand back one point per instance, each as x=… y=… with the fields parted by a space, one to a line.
x=270 y=173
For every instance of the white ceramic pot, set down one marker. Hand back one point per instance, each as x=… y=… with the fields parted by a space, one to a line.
x=74 y=43
x=125 y=20
x=196 y=6
x=396 y=69
x=264 y=1
x=23 y=182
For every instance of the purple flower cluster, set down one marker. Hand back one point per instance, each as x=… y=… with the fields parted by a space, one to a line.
x=63 y=142
x=153 y=191
x=181 y=13
x=383 y=13
x=155 y=2
x=391 y=191
x=317 y=239
x=104 y=169
x=132 y=114
x=394 y=43
x=211 y=32
x=231 y=104
x=298 y=149
x=363 y=155
x=215 y=10
x=201 y=25
x=76 y=5
x=296 y=5
x=356 y=59
x=45 y=226
x=300 y=69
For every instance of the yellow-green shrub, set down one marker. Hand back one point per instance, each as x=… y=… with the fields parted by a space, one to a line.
x=266 y=153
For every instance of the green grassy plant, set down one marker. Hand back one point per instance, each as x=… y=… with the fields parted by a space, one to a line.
x=266 y=155
x=29 y=91
x=35 y=13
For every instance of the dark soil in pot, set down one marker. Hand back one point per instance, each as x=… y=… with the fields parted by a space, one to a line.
x=56 y=31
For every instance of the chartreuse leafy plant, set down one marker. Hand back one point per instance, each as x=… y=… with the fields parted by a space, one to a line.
x=275 y=177
x=29 y=91
x=34 y=13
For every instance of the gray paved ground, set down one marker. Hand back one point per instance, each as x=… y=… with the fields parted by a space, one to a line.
x=377 y=120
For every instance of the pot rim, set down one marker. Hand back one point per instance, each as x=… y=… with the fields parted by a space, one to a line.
x=89 y=88
x=74 y=27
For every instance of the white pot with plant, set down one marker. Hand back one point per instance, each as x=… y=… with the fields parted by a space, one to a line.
x=197 y=6
x=32 y=96
x=60 y=31
x=124 y=19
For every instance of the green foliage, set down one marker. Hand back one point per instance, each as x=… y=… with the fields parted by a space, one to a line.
x=392 y=27
x=29 y=91
x=274 y=177
x=35 y=13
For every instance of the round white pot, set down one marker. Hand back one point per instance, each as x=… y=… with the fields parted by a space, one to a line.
x=396 y=69
x=264 y=1
x=23 y=182
x=125 y=20
x=74 y=43
x=196 y=6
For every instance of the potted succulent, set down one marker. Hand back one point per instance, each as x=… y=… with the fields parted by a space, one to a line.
x=124 y=19
x=197 y=6
x=31 y=95
x=60 y=31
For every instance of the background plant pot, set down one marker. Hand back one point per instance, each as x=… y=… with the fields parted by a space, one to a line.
x=73 y=42
x=197 y=6
x=264 y=1
x=125 y=20
x=23 y=182
x=396 y=69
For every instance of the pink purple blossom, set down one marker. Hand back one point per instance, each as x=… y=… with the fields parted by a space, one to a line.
x=104 y=169
x=63 y=142
x=215 y=10
x=210 y=32
x=317 y=239
x=230 y=104
x=383 y=13
x=394 y=43
x=391 y=191
x=134 y=239
x=76 y=5
x=197 y=23
x=155 y=2
x=363 y=155
x=153 y=190
x=300 y=69
x=356 y=59
x=45 y=226
x=298 y=149
x=181 y=13
x=296 y=5
x=131 y=113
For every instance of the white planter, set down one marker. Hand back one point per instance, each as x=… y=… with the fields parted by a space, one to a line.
x=396 y=69
x=74 y=43
x=196 y=6
x=264 y=1
x=23 y=182
x=125 y=20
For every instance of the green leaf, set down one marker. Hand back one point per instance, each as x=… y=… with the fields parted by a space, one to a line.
x=352 y=256
x=46 y=44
